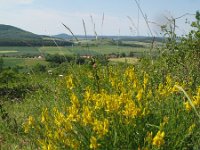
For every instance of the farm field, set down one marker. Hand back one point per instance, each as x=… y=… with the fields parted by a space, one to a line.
x=67 y=50
x=83 y=49
x=28 y=56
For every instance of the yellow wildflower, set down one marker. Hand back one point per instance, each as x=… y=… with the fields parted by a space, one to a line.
x=145 y=80
x=47 y=146
x=87 y=95
x=149 y=137
x=161 y=89
x=101 y=127
x=196 y=100
x=191 y=128
x=75 y=101
x=187 y=106
x=69 y=82
x=72 y=143
x=28 y=124
x=165 y=120
x=139 y=94
x=149 y=94
x=174 y=88
x=112 y=102
x=158 y=140
x=93 y=143
x=130 y=74
x=99 y=100
x=73 y=114
x=26 y=128
x=168 y=79
x=44 y=115
x=59 y=117
x=30 y=120
x=67 y=126
x=58 y=134
x=130 y=110
x=87 y=115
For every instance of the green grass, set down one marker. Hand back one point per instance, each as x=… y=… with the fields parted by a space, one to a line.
x=125 y=60
x=99 y=47
x=7 y=51
x=19 y=50
x=12 y=61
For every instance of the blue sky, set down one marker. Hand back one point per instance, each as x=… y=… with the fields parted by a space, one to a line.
x=46 y=16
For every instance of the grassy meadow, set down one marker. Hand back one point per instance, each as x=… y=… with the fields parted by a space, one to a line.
x=28 y=56
x=23 y=62
x=150 y=101
x=89 y=47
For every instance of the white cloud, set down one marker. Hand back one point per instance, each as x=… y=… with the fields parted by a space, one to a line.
x=14 y=2
x=49 y=21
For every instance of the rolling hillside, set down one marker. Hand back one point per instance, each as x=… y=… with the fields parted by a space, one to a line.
x=12 y=36
x=10 y=32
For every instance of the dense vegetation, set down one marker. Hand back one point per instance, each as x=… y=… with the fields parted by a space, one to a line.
x=153 y=104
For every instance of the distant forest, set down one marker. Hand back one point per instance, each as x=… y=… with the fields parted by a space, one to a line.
x=32 y=42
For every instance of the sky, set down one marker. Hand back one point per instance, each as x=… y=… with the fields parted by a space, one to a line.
x=111 y=17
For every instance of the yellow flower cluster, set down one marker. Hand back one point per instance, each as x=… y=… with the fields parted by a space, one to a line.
x=168 y=87
x=195 y=101
x=28 y=124
x=158 y=140
x=93 y=143
x=99 y=111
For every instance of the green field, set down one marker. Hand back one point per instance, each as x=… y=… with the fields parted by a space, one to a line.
x=26 y=62
x=18 y=50
x=8 y=51
x=27 y=56
x=82 y=49
x=102 y=49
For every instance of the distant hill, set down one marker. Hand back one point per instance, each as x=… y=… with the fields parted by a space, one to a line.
x=63 y=36
x=10 y=32
x=121 y=38
x=13 y=36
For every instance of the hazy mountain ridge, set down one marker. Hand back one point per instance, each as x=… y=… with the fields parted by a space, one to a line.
x=13 y=36
x=124 y=38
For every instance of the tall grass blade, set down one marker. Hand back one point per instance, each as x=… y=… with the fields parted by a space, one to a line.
x=132 y=23
x=70 y=32
x=144 y=16
x=84 y=27
x=102 y=20
x=189 y=100
x=94 y=28
x=85 y=32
